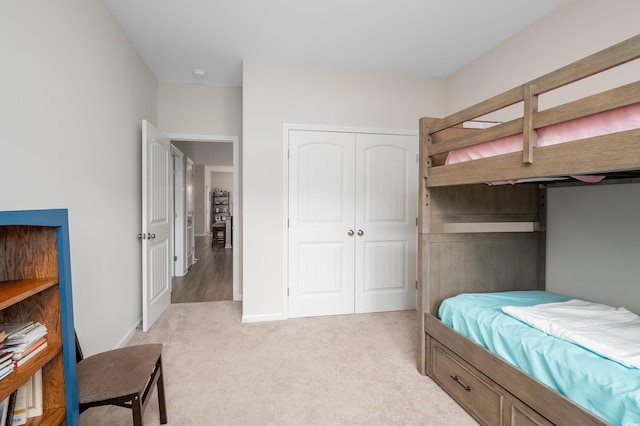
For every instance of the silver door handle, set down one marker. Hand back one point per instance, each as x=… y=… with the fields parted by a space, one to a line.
x=350 y=232
x=151 y=236
x=360 y=232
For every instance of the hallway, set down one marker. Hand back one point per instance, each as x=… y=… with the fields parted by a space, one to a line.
x=210 y=279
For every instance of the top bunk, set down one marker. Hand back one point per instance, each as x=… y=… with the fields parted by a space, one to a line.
x=586 y=139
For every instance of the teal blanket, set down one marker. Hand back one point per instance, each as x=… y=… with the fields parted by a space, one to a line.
x=604 y=387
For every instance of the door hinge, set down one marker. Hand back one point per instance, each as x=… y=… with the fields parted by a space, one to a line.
x=416 y=221
x=416 y=284
x=287 y=291
x=175 y=258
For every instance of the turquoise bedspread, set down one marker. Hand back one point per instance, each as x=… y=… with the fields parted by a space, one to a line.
x=601 y=386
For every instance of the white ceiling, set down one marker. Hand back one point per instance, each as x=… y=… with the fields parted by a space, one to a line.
x=420 y=37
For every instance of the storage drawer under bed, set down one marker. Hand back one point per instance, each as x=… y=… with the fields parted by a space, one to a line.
x=473 y=391
x=485 y=400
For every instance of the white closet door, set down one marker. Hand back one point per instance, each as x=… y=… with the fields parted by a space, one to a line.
x=321 y=213
x=386 y=232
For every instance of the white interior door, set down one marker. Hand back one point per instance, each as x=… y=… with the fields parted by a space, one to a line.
x=352 y=223
x=386 y=228
x=179 y=208
x=321 y=191
x=191 y=233
x=156 y=224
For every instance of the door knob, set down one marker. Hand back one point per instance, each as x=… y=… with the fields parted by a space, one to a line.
x=147 y=236
x=350 y=232
x=360 y=232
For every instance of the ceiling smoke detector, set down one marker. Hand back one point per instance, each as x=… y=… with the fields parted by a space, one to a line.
x=199 y=74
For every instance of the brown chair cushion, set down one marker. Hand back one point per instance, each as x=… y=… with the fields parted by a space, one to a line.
x=116 y=373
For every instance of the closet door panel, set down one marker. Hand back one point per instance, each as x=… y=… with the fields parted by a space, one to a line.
x=321 y=212
x=386 y=211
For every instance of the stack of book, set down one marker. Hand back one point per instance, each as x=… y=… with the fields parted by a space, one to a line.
x=24 y=403
x=6 y=358
x=6 y=364
x=23 y=341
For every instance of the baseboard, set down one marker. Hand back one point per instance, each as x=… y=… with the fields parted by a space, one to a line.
x=263 y=318
x=127 y=337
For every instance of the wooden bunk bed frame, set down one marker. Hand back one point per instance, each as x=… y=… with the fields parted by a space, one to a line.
x=479 y=238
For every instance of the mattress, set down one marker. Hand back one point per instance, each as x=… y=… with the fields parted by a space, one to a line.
x=616 y=120
x=604 y=387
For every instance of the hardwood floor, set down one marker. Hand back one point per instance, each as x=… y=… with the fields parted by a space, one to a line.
x=210 y=279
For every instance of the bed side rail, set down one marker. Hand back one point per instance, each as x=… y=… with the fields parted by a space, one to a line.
x=437 y=134
x=603 y=60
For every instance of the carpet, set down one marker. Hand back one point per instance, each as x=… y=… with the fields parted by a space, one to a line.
x=335 y=370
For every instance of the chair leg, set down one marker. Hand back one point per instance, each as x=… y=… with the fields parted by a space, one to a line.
x=136 y=407
x=160 y=388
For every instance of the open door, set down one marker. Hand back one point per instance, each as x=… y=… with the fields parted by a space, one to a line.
x=156 y=224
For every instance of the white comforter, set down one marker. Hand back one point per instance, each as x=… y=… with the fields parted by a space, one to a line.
x=611 y=332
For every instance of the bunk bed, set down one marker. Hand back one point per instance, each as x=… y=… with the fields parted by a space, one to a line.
x=478 y=237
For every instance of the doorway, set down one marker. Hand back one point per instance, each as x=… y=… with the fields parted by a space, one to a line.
x=211 y=265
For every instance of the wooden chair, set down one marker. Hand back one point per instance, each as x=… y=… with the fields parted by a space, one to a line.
x=123 y=377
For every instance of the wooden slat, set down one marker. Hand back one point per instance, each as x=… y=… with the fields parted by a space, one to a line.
x=441 y=144
x=477 y=227
x=529 y=135
x=495 y=103
x=618 y=54
x=614 y=152
x=605 y=101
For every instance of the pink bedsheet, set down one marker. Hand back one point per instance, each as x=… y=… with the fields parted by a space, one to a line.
x=617 y=120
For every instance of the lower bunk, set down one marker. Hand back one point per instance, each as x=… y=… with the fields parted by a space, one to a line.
x=473 y=349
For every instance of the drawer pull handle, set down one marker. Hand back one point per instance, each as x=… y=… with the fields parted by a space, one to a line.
x=457 y=379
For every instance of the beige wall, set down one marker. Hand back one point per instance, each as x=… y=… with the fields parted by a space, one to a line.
x=200 y=109
x=275 y=94
x=74 y=92
x=573 y=31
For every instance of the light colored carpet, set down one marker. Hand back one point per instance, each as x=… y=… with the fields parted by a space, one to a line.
x=337 y=370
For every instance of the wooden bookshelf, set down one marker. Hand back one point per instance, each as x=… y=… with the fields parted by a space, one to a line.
x=35 y=285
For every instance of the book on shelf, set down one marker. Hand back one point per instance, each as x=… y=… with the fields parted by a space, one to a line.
x=6 y=364
x=21 y=351
x=31 y=354
x=9 y=328
x=20 y=407
x=34 y=395
x=24 y=403
x=4 y=410
x=22 y=341
x=6 y=370
x=25 y=335
x=4 y=356
x=8 y=419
